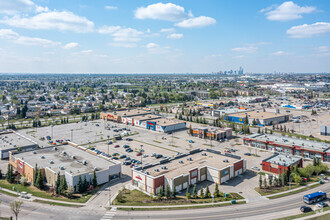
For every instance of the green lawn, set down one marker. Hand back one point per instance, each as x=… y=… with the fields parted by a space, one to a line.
x=43 y=194
x=57 y=203
x=138 y=198
x=294 y=192
x=306 y=214
x=180 y=208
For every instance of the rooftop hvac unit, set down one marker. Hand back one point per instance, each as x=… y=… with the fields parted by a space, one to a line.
x=42 y=157
x=147 y=172
x=63 y=152
x=84 y=162
x=51 y=162
x=164 y=167
x=180 y=161
x=61 y=167
x=55 y=148
x=189 y=158
x=156 y=169
x=95 y=168
x=204 y=154
x=34 y=152
x=73 y=157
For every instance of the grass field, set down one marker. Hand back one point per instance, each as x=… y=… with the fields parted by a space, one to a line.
x=43 y=194
x=138 y=198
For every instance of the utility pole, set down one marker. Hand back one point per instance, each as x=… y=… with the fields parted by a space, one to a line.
x=71 y=134
x=51 y=127
x=108 y=143
x=141 y=156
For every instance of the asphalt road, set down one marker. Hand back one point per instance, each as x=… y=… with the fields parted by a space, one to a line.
x=271 y=208
x=39 y=211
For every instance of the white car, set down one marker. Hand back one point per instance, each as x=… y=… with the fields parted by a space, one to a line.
x=255 y=168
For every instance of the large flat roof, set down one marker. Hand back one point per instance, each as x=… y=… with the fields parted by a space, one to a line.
x=71 y=165
x=131 y=112
x=289 y=141
x=146 y=117
x=167 y=122
x=283 y=160
x=174 y=168
x=13 y=140
x=256 y=114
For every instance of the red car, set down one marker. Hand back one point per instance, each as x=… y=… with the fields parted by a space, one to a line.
x=139 y=154
x=304 y=179
x=117 y=146
x=227 y=151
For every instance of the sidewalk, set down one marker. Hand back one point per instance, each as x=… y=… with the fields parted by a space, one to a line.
x=315 y=215
x=176 y=206
x=293 y=190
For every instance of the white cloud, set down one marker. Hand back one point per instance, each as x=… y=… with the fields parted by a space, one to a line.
x=71 y=45
x=160 y=11
x=14 y=37
x=8 y=34
x=167 y=30
x=17 y=6
x=125 y=45
x=175 y=36
x=109 y=7
x=35 y=41
x=287 y=11
x=154 y=48
x=309 y=30
x=279 y=53
x=322 y=51
x=86 y=51
x=197 y=22
x=64 y=21
x=248 y=49
x=122 y=37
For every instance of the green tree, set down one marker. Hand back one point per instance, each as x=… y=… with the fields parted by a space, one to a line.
x=160 y=193
x=35 y=174
x=63 y=185
x=260 y=181
x=10 y=175
x=94 y=183
x=190 y=130
x=80 y=185
x=195 y=192
x=265 y=183
x=85 y=184
x=174 y=192
x=57 y=184
x=202 y=193
x=40 y=181
x=216 y=191
x=167 y=192
x=297 y=178
x=207 y=192
x=15 y=207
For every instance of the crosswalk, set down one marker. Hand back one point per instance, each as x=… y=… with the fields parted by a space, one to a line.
x=109 y=214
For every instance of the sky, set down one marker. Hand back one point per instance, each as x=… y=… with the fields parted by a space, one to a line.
x=146 y=36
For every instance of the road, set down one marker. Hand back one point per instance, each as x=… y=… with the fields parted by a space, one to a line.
x=259 y=210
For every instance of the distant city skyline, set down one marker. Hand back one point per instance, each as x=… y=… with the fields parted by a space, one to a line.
x=202 y=36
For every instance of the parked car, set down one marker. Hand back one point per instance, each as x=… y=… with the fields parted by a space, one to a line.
x=127 y=163
x=129 y=139
x=122 y=156
x=127 y=158
x=125 y=146
x=191 y=141
x=247 y=154
x=117 y=146
x=255 y=168
x=227 y=151
x=153 y=155
x=321 y=205
x=129 y=150
x=304 y=179
x=139 y=154
x=305 y=209
x=115 y=154
x=115 y=158
x=115 y=130
x=158 y=156
x=110 y=142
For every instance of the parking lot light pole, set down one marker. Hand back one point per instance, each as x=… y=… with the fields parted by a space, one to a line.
x=71 y=134
x=290 y=182
x=108 y=143
x=141 y=156
x=52 y=126
x=212 y=200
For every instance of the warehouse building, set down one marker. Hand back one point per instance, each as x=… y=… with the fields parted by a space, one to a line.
x=13 y=141
x=261 y=118
x=325 y=130
x=279 y=163
x=212 y=133
x=137 y=120
x=118 y=116
x=222 y=112
x=187 y=170
x=290 y=146
x=69 y=161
